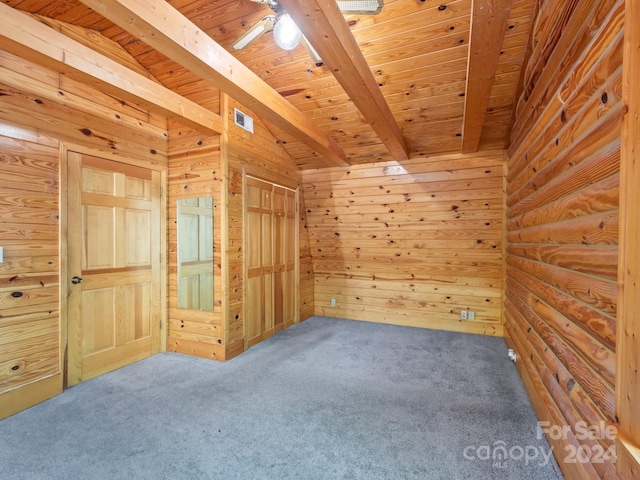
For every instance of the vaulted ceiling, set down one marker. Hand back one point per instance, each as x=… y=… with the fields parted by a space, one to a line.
x=442 y=75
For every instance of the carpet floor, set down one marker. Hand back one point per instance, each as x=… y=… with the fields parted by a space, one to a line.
x=324 y=399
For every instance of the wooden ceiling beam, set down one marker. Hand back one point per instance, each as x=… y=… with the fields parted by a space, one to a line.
x=325 y=28
x=488 y=26
x=28 y=38
x=164 y=28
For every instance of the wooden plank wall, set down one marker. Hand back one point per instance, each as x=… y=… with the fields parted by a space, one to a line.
x=197 y=167
x=29 y=286
x=260 y=156
x=73 y=112
x=410 y=243
x=202 y=165
x=562 y=222
x=195 y=170
x=307 y=298
x=40 y=109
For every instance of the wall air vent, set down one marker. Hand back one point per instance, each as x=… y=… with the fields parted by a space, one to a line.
x=243 y=120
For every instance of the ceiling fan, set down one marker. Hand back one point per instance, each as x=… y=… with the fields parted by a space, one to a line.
x=285 y=32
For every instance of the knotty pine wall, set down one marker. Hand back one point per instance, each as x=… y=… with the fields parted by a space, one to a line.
x=306 y=274
x=562 y=221
x=259 y=155
x=410 y=243
x=29 y=289
x=39 y=111
x=195 y=170
x=201 y=165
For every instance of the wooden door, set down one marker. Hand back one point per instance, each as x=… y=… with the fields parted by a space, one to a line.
x=113 y=255
x=270 y=258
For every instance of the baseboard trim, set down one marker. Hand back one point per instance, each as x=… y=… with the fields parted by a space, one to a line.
x=21 y=398
x=571 y=471
x=233 y=350
x=474 y=327
x=628 y=458
x=196 y=349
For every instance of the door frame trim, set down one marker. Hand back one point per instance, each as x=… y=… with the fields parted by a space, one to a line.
x=65 y=148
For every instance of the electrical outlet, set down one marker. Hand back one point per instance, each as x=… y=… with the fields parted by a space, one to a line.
x=463 y=314
x=333 y=302
x=471 y=315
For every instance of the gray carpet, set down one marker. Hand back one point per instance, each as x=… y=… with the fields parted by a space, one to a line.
x=325 y=399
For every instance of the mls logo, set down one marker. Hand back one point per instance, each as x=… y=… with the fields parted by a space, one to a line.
x=500 y=454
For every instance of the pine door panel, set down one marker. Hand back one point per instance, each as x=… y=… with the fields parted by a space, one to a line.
x=113 y=242
x=255 y=315
x=254 y=324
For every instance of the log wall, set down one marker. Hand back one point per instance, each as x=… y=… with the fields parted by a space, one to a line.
x=39 y=111
x=628 y=324
x=410 y=243
x=562 y=224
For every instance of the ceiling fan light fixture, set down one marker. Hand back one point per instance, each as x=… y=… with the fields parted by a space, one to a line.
x=254 y=32
x=246 y=40
x=286 y=33
x=315 y=56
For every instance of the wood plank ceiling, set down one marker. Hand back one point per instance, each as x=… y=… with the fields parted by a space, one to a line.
x=447 y=88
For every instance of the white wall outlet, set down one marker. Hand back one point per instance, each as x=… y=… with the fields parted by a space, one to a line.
x=1 y=254
x=333 y=302
x=471 y=315
x=463 y=314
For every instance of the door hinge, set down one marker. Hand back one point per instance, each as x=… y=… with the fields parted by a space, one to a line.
x=161 y=192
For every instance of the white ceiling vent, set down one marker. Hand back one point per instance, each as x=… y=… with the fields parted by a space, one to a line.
x=243 y=120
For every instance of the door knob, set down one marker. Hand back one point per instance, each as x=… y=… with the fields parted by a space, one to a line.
x=76 y=280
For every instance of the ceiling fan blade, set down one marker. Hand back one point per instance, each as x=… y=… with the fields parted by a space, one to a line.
x=312 y=51
x=260 y=27
x=361 y=7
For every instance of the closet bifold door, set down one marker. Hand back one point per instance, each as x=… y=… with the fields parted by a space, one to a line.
x=270 y=259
